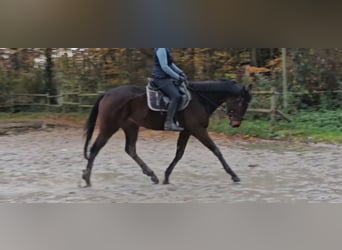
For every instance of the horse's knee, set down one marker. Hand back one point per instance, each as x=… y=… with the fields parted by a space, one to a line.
x=127 y=150
x=179 y=155
x=130 y=151
x=179 y=151
x=217 y=152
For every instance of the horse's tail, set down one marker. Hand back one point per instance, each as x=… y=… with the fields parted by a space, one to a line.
x=90 y=125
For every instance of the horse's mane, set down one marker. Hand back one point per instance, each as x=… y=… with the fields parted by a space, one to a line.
x=216 y=86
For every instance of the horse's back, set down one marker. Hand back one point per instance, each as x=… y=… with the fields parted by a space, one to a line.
x=125 y=91
x=116 y=98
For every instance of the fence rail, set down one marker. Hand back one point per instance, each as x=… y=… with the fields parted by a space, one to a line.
x=11 y=101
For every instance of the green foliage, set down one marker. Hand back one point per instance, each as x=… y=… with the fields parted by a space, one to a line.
x=26 y=82
x=316 y=69
x=325 y=120
x=257 y=128
x=306 y=126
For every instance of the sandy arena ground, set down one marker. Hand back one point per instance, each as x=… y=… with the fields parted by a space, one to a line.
x=45 y=165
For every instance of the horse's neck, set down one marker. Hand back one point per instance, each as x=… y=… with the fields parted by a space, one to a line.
x=212 y=100
x=213 y=93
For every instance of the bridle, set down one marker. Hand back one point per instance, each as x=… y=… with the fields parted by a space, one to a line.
x=231 y=111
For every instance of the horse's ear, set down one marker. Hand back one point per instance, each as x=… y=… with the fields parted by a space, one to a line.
x=246 y=90
x=243 y=90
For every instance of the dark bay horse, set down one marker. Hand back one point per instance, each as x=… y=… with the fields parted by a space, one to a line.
x=126 y=107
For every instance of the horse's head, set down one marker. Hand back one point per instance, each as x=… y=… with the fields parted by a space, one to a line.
x=237 y=107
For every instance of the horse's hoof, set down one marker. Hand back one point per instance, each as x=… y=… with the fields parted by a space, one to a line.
x=166 y=182
x=155 y=179
x=86 y=178
x=87 y=185
x=236 y=179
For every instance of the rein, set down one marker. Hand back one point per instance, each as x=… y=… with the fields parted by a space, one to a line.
x=218 y=107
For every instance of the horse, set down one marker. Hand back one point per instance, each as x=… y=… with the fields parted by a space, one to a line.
x=126 y=107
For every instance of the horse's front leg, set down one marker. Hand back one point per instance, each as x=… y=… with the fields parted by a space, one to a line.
x=203 y=137
x=131 y=133
x=181 y=144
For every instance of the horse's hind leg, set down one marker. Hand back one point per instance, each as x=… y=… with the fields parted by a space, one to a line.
x=131 y=133
x=100 y=141
x=181 y=144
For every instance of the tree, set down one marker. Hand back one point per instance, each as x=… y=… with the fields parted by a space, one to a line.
x=50 y=86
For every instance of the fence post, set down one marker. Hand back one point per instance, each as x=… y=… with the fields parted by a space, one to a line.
x=79 y=98
x=284 y=77
x=62 y=101
x=79 y=102
x=12 y=103
x=47 y=103
x=273 y=106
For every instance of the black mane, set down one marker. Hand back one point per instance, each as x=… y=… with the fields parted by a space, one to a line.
x=216 y=86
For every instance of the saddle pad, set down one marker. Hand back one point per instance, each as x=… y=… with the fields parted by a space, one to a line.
x=157 y=101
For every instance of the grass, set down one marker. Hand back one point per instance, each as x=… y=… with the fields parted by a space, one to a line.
x=315 y=126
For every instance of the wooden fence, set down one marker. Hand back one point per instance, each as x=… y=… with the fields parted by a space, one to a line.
x=273 y=107
x=10 y=102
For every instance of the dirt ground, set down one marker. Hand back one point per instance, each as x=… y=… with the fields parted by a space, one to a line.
x=45 y=165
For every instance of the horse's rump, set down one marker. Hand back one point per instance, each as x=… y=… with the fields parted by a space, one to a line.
x=116 y=98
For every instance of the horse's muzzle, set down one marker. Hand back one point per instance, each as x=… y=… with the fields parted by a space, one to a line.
x=235 y=124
